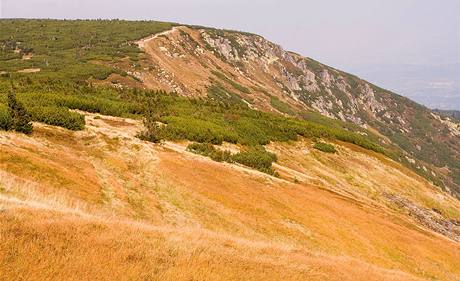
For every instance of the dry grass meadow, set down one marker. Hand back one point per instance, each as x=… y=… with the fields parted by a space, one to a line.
x=101 y=204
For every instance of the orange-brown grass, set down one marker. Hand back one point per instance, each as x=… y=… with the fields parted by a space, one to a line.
x=132 y=210
x=361 y=174
x=46 y=245
x=252 y=206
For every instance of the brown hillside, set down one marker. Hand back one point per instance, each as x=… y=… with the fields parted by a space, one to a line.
x=105 y=204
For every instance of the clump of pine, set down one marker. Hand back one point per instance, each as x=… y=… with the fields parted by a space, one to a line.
x=20 y=118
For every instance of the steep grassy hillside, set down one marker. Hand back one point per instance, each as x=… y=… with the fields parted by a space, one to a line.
x=102 y=203
x=167 y=152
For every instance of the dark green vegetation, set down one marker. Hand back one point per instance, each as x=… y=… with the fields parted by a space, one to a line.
x=17 y=117
x=153 y=109
x=64 y=49
x=207 y=149
x=204 y=120
x=5 y=118
x=52 y=107
x=234 y=84
x=58 y=116
x=325 y=147
x=255 y=156
x=217 y=92
x=67 y=54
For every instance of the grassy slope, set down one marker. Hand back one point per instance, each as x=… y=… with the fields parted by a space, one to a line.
x=316 y=222
x=107 y=250
x=142 y=211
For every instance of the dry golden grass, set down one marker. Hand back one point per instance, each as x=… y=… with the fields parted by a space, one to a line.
x=39 y=244
x=103 y=205
x=361 y=174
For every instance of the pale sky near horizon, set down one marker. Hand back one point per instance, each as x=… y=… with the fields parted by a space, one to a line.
x=409 y=46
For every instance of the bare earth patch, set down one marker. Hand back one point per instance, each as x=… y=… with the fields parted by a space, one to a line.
x=27 y=56
x=29 y=70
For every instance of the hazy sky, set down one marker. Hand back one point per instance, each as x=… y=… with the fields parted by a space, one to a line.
x=409 y=46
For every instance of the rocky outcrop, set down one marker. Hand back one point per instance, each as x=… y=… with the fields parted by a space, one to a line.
x=430 y=218
x=333 y=93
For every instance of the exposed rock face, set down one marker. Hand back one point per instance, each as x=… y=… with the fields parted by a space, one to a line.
x=300 y=78
x=451 y=124
x=189 y=61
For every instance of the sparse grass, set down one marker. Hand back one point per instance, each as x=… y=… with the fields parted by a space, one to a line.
x=132 y=250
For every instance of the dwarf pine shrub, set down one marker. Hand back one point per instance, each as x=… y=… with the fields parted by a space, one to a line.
x=58 y=116
x=325 y=147
x=258 y=158
x=207 y=149
x=5 y=119
x=20 y=118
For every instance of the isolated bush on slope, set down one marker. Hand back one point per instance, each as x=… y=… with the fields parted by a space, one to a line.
x=154 y=109
x=325 y=147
